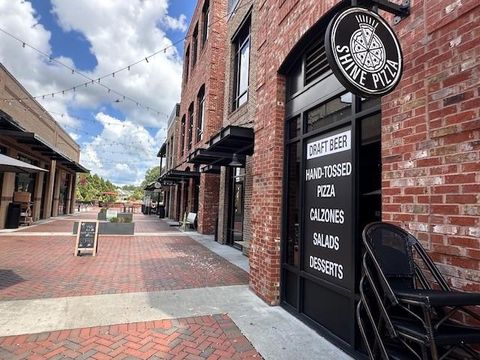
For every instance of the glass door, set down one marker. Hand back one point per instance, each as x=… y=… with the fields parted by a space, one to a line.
x=236 y=208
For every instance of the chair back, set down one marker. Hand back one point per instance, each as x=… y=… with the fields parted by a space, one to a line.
x=391 y=249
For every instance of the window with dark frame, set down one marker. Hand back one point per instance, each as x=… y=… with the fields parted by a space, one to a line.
x=187 y=63
x=194 y=45
x=190 y=126
x=182 y=136
x=206 y=21
x=241 y=46
x=231 y=5
x=201 y=113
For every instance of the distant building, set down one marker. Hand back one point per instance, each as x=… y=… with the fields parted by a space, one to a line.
x=28 y=133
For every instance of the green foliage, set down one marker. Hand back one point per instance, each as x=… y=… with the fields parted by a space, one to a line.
x=151 y=175
x=91 y=188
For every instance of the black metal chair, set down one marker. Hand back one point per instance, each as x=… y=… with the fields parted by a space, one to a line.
x=406 y=308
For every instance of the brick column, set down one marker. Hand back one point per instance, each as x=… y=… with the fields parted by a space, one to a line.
x=267 y=193
x=208 y=203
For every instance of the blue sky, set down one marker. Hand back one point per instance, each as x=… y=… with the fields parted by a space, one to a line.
x=97 y=38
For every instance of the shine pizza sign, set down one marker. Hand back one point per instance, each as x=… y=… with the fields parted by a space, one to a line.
x=364 y=52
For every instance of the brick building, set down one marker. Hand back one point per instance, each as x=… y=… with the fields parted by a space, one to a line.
x=201 y=109
x=414 y=160
x=28 y=133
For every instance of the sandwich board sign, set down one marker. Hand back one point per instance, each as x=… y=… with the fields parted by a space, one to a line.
x=87 y=237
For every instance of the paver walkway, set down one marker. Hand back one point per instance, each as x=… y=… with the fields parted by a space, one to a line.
x=44 y=266
x=180 y=291
x=206 y=337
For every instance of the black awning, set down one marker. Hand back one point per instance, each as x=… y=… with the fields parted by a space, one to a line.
x=7 y=123
x=150 y=187
x=209 y=157
x=178 y=175
x=233 y=140
x=39 y=145
x=210 y=169
x=163 y=150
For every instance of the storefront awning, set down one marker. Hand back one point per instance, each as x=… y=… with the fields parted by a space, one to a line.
x=210 y=169
x=233 y=140
x=37 y=144
x=178 y=175
x=209 y=157
x=9 y=164
x=163 y=150
x=7 y=123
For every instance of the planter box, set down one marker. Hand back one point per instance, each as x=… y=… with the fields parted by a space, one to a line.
x=108 y=228
x=125 y=216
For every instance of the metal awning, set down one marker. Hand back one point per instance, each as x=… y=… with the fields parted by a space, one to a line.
x=233 y=140
x=7 y=123
x=163 y=150
x=37 y=144
x=9 y=164
x=150 y=187
x=178 y=175
x=210 y=169
x=209 y=157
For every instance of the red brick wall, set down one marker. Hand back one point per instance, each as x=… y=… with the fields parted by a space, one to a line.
x=208 y=70
x=208 y=203
x=280 y=25
x=431 y=137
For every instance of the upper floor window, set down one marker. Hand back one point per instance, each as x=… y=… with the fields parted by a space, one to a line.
x=190 y=125
x=194 y=45
x=231 y=5
x=206 y=21
x=241 y=46
x=187 y=63
x=182 y=136
x=201 y=113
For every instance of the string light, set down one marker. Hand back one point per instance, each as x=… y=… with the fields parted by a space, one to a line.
x=128 y=67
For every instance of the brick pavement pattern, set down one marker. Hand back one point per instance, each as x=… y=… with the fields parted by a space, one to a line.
x=45 y=267
x=143 y=223
x=206 y=337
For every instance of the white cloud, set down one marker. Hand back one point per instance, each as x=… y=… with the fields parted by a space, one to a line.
x=119 y=33
x=122 y=152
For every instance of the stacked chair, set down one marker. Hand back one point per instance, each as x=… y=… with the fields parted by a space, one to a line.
x=407 y=310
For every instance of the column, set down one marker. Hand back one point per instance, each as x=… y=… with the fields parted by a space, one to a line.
x=56 y=192
x=47 y=206
x=73 y=195
x=37 y=196
x=8 y=187
x=208 y=203
x=69 y=194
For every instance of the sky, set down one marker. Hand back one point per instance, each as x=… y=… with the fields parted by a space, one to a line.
x=119 y=130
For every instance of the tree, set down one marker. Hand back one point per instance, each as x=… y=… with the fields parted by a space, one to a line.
x=151 y=175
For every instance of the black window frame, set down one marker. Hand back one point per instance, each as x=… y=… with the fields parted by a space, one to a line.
x=241 y=41
x=206 y=21
x=195 y=45
x=182 y=135
x=190 y=126
x=201 y=113
x=187 y=63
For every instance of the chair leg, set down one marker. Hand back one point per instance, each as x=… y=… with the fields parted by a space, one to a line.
x=429 y=329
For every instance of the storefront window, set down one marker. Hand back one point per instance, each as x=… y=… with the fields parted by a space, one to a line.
x=25 y=182
x=293 y=207
x=328 y=113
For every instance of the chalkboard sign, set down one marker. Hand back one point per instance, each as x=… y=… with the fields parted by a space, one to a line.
x=87 y=237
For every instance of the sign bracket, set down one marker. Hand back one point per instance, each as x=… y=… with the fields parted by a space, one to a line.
x=401 y=11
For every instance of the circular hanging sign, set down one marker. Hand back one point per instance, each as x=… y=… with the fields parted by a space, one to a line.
x=363 y=52
x=157 y=185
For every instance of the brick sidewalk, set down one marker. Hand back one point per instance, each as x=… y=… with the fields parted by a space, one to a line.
x=207 y=337
x=44 y=267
